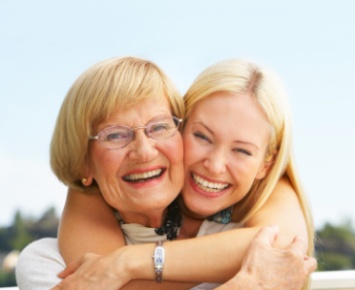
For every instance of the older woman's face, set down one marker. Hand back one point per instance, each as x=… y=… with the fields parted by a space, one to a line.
x=145 y=176
x=225 y=140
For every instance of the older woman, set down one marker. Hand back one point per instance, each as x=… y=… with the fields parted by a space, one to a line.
x=130 y=114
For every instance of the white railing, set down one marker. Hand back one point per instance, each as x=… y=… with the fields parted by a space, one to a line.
x=336 y=280
x=332 y=280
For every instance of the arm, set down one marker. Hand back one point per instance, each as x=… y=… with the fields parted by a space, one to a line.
x=227 y=249
x=282 y=209
x=87 y=224
x=287 y=269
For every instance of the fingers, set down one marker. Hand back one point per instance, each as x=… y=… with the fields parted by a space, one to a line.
x=57 y=287
x=70 y=269
x=73 y=266
x=299 y=246
x=267 y=235
x=310 y=264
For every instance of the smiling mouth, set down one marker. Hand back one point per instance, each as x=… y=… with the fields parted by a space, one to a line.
x=207 y=185
x=142 y=177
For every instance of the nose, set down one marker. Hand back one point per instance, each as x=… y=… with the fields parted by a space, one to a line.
x=216 y=161
x=142 y=147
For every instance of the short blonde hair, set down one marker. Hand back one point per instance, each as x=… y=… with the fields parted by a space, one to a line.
x=95 y=95
x=243 y=77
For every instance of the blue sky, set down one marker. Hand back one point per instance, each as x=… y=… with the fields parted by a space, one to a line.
x=45 y=45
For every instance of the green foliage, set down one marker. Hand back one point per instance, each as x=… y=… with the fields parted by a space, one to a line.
x=335 y=247
x=25 y=230
x=16 y=236
x=22 y=232
x=7 y=279
x=333 y=261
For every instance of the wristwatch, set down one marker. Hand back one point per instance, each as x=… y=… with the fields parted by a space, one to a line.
x=159 y=257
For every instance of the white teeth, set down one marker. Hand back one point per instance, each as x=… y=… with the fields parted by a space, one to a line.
x=144 y=175
x=208 y=186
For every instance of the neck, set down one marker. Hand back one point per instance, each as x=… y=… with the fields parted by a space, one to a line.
x=148 y=219
x=166 y=222
x=189 y=228
x=186 y=212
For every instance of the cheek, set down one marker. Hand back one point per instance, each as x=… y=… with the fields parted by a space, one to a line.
x=104 y=163
x=244 y=171
x=173 y=150
x=189 y=151
x=194 y=152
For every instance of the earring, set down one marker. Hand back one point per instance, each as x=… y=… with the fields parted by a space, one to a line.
x=83 y=180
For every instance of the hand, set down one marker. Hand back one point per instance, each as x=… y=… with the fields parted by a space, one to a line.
x=265 y=267
x=91 y=272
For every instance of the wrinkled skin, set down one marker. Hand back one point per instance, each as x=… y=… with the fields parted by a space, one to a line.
x=265 y=267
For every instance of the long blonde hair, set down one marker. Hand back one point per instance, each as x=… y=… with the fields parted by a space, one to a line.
x=243 y=77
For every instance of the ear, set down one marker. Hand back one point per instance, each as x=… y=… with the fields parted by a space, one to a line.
x=266 y=166
x=87 y=178
x=87 y=181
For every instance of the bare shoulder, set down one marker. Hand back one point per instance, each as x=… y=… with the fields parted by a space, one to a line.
x=283 y=209
x=282 y=201
x=283 y=192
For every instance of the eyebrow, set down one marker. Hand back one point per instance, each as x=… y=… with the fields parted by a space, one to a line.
x=235 y=141
x=110 y=124
x=248 y=143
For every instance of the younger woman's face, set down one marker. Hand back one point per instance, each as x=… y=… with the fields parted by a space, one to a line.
x=225 y=141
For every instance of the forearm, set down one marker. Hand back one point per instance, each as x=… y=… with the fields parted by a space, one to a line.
x=214 y=258
x=132 y=268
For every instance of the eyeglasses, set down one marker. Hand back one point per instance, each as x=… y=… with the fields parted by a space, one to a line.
x=116 y=137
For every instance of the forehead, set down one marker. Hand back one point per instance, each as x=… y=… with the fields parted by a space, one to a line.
x=230 y=104
x=238 y=115
x=137 y=114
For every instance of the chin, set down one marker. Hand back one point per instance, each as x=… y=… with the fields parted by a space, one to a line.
x=200 y=211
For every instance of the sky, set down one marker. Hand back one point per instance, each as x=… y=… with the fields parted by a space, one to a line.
x=46 y=45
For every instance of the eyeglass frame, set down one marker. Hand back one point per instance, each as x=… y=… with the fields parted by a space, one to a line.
x=177 y=121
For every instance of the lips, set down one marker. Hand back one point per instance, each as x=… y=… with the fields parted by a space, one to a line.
x=144 y=176
x=208 y=186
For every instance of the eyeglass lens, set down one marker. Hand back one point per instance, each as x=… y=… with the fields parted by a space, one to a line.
x=119 y=136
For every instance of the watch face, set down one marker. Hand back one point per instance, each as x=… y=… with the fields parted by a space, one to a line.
x=159 y=255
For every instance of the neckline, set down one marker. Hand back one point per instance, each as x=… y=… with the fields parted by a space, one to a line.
x=172 y=221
